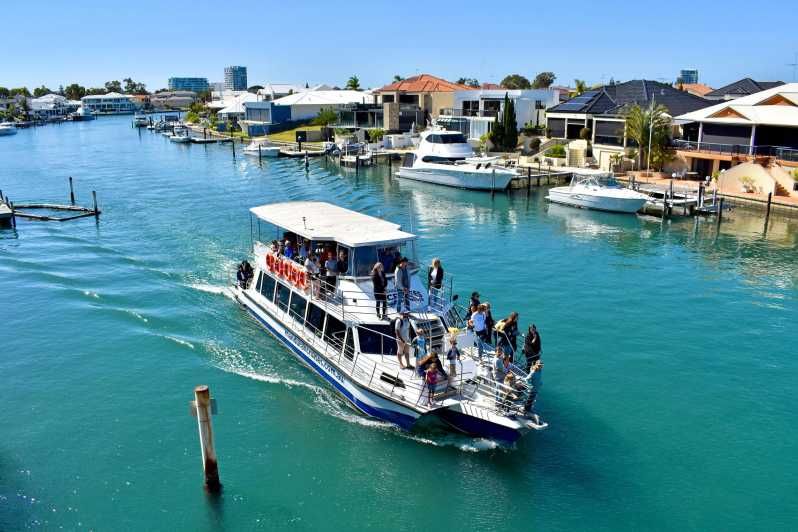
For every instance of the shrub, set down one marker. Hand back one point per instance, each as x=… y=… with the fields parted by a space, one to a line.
x=534 y=145
x=795 y=174
x=192 y=117
x=748 y=183
x=585 y=133
x=376 y=134
x=557 y=151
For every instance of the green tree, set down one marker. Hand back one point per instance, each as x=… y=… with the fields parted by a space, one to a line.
x=192 y=117
x=130 y=85
x=204 y=96
x=254 y=89
x=397 y=77
x=510 y=124
x=543 y=80
x=471 y=82
x=113 y=86
x=581 y=87
x=353 y=83
x=74 y=91
x=326 y=117
x=654 y=123
x=95 y=90
x=38 y=92
x=20 y=91
x=515 y=81
x=376 y=134
x=196 y=107
x=4 y=92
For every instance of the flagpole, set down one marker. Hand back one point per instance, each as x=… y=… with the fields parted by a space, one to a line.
x=650 y=132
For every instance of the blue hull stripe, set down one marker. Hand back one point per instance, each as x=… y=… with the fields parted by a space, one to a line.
x=404 y=421
x=475 y=426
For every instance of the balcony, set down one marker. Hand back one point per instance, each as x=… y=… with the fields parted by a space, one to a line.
x=487 y=113
x=780 y=153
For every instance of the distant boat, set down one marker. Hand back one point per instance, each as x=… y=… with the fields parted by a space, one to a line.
x=141 y=121
x=601 y=193
x=262 y=148
x=180 y=135
x=446 y=158
x=83 y=114
x=7 y=128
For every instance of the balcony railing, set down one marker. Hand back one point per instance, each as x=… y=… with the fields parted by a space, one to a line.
x=487 y=113
x=779 y=152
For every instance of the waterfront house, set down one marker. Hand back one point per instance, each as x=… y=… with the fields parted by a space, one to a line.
x=740 y=88
x=697 y=89
x=173 y=99
x=263 y=117
x=111 y=103
x=307 y=104
x=601 y=111
x=431 y=94
x=275 y=91
x=762 y=126
x=474 y=111
x=50 y=107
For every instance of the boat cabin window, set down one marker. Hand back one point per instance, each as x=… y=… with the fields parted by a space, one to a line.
x=449 y=138
x=257 y=285
x=334 y=332
x=315 y=319
x=298 y=305
x=349 y=346
x=365 y=257
x=376 y=339
x=440 y=160
x=283 y=293
x=267 y=287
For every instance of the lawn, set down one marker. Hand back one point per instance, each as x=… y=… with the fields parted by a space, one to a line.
x=290 y=135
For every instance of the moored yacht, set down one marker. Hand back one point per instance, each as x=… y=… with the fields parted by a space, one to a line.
x=601 y=193
x=180 y=134
x=83 y=114
x=446 y=158
x=262 y=148
x=140 y=120
x=331 y=324
x=7 y=128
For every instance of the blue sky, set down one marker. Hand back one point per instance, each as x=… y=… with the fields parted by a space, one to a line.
x=90 y=42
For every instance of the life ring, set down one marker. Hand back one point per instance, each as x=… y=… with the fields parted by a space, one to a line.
x=279 y=267
x=269 y=261
x=291 y=274
x=303 y=279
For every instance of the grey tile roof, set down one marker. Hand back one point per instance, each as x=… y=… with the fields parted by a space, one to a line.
x=743 y=87
x=613 y=99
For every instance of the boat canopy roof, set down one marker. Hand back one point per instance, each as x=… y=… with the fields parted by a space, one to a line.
x=318 y=220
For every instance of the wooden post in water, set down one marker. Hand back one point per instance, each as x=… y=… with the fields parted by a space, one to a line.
x=71 y=192
x=720 y=212
x=307 y=161
x=259 y=154
x=202 y=404
x=233 y=143
x=767 y=213
x=94 y=197
x=528 y=179
x=13 y=213
x=492 y=182
x=205 y=133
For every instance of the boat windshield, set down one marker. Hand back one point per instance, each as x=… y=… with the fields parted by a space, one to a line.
x=365 y=257
x=447 y=138
x=596 y=180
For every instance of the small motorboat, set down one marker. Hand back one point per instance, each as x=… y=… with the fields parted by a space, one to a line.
x=7 y=128
x=180 y=135
x=262 y=148
x=141 y=120
x=83 y=114
x=598 y=192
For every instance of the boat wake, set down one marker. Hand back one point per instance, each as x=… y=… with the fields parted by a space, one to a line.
x=179 y=341
x=212 y=289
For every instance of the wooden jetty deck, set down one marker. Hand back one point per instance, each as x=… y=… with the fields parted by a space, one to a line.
x=9 y=210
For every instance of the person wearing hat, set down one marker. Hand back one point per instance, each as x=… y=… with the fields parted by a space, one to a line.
x=475 y=299
x=453 y=355
x=401 y=279
x=402 y=332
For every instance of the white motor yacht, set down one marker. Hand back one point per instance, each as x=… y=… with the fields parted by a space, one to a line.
x=601 y=193
x=83 y=114
x=180 y=134
x=331 y=324
x=262 y=148
x=7 y=128
x=141 y=120
x=446 y=158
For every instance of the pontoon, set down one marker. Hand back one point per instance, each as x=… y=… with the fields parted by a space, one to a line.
x=331 y=323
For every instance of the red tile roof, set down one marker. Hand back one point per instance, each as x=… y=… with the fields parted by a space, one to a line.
x=424 y=83
x=699 y=89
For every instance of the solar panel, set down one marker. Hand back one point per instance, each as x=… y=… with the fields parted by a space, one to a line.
x=570 y=106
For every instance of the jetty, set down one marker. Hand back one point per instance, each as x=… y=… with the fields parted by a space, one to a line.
x=10 y=210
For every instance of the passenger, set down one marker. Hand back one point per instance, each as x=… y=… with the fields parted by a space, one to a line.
x=507 y=334
x=380 y=285
x=401 y=279
x=431 y=379
x=532 y=347
x=420 y=345
x=500 y=368
x=489 y=323
x=331 y=271
x=304 y=250
x=275 y=247
x=475 y=299
x=241 y=279
x=280 y=248
x=435 y=282
x=478 y=324
x=342 y=266
x=312 y=270
x=453 y=355
x=402 y=332
x=533 y=382
x=288 y=251
x=249 y=273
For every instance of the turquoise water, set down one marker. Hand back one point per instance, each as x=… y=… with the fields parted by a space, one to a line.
x=670 y=367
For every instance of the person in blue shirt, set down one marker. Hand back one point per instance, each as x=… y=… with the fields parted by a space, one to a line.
x=288 y=251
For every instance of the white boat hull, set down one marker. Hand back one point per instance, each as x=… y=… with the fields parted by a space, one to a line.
x=180 y=140
x=458 y=179
x=566 y=196
x=7 y=131
x=265 y=151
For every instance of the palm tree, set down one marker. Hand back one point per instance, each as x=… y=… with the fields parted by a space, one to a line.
x=645 y=125
x=353 y=83
x=581 y=86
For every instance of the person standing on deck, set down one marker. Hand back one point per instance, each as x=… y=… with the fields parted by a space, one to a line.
x=402 y=332
x=289 y=250
x=380 y=285
x=533 y=381
x=490 y=323
x=401 y=279
x=507 y=334
x=312 y=270
x=532 y=347
x=453 y=355
x=435 y=281
x=331 y=272
x=478 y=323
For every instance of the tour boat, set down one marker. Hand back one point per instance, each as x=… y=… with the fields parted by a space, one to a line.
x=446 y=158
x=7 y=128
x=601 y=193
x=261 y=148
x=141 y=120
x=83 y=114
x=334 y=329
x=180 y=134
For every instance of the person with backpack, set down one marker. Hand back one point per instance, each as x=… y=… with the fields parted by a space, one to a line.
x=401 y=329
x=532 y=347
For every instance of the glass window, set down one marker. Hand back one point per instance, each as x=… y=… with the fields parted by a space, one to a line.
x=376 y=339
x=315 y=319
x=334 y=332
x=453 y=139
x=267 y=287
x=298 y=304
x=257 y=285
x=283 y=293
